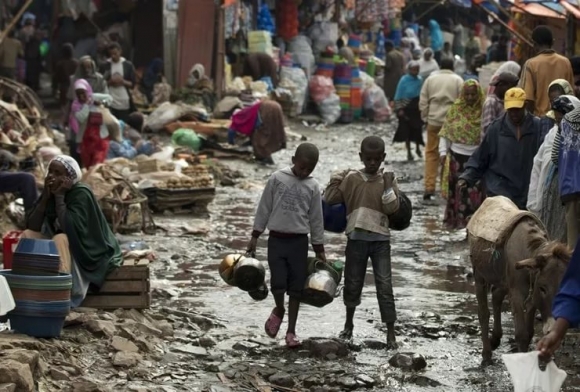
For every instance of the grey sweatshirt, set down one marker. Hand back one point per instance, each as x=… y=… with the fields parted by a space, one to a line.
x=291 y=205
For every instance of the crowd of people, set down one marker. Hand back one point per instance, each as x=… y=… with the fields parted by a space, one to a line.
x=506 y=141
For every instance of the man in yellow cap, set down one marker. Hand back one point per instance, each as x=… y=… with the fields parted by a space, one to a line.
x=505 y=157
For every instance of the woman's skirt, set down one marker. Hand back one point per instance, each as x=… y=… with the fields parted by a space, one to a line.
x=553 y=213
x=410 y=128
x=461 y=203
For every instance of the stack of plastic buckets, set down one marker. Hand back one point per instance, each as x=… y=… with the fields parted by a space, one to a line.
x=41 y=294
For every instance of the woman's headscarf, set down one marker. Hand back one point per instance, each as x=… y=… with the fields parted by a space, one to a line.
x=77 y=105
x=508 y=66
x=409 y=86
x=566 y=87
x=436 y=35
x=410 y=33
x=565 y=104
x=463 y=121
x=427 y=67
x=81 y=73
x=73 y=169
x=200 y=69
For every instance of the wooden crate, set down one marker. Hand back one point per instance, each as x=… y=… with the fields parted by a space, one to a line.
x=127 y=287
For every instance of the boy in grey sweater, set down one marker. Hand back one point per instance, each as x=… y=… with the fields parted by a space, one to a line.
x=291 y=208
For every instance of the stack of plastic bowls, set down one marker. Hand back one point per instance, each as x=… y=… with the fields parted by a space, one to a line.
x=36 y=257
x=41 y=294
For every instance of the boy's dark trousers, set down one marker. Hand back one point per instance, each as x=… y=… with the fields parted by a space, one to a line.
x=288 y=262
x=357 y=256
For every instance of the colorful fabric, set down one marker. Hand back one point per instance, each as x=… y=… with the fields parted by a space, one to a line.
x=244 y=121
x=463 y=122
x=461 y=202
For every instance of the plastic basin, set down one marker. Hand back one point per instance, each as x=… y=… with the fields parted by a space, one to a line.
x=36 y=247
x=38 y=327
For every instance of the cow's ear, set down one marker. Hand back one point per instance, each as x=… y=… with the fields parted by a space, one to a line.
x=537 y=262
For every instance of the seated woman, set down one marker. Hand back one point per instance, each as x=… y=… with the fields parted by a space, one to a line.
x=263 y=123
x=68 y=213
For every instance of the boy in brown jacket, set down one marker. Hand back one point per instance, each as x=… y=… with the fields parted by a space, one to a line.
x=370 y=197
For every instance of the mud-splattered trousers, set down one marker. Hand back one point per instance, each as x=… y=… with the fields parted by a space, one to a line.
x=357 y=255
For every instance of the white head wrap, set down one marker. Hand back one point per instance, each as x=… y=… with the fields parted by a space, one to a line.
x=72 y=167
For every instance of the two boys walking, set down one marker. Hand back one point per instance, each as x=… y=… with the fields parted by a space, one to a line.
x=291 y=208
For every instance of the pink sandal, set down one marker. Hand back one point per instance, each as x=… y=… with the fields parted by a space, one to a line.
x=273 y=325
x=292 y=341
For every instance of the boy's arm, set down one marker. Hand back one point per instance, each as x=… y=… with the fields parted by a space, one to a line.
x=390 y=206
x=316 y=222
x=333 y=194
x=264 y=209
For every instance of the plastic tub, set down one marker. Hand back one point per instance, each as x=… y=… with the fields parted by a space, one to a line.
x=38 y=327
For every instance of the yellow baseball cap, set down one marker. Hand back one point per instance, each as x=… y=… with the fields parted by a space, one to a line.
x=515 y=98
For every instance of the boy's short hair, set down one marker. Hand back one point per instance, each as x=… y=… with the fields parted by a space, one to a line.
x=372 y=143
x=307 y=151
x=113 y=46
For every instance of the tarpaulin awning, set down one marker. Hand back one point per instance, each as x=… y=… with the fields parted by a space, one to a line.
x=571 y=8
x=553 y=5
x=538 y=9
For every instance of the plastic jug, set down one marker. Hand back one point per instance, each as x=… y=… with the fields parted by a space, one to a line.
x=6 y=300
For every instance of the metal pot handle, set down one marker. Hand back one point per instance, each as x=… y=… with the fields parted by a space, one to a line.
x=333 y=270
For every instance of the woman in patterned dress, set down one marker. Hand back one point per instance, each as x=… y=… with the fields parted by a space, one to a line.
x=459 y=138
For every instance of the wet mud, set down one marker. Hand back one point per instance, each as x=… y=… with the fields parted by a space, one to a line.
x=436 y=306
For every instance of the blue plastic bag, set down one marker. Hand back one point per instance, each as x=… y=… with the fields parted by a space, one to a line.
x=334 y=217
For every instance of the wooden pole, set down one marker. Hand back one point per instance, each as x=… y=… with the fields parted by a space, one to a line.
x=220 y=55
x=439 y=3
x=15 y=20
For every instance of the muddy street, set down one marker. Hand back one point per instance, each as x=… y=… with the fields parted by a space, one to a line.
x=434 y=295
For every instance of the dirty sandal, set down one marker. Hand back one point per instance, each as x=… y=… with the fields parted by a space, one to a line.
x=292 y=341
x=273 y=325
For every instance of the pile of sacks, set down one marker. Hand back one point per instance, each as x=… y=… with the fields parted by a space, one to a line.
x=323 y=93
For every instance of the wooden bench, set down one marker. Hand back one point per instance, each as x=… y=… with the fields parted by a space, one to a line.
x=127 y=287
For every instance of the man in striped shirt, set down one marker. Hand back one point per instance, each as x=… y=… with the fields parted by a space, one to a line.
x=493 y=107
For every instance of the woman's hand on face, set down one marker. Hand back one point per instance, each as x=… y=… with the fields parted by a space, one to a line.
x=64 y=185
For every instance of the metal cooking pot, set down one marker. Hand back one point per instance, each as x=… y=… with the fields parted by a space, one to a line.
x=249 y=274
x=261 y=293
x=320 y=289
x=226 y=267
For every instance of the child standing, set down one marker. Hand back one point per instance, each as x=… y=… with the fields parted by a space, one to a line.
x=291 y=208
x=370 y=197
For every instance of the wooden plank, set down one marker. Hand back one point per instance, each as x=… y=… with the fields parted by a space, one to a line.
x=117 y=301
x=129 y=273
x=124 y=287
